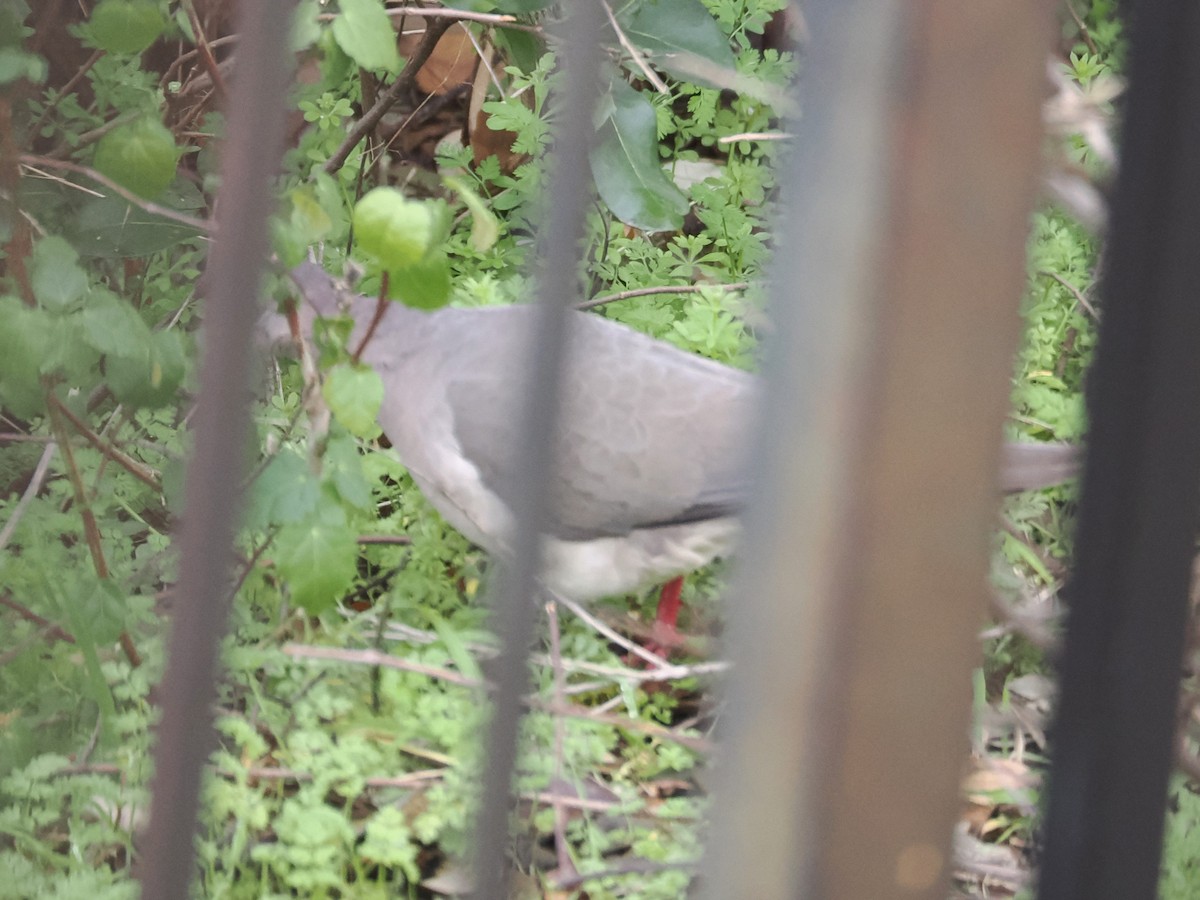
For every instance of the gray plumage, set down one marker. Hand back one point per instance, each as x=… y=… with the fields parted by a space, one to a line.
x=650 y=473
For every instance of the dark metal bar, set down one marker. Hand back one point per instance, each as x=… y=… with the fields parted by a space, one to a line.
x=251 y=156
x=863 y=577
x=1113 y=737
x=514 y=610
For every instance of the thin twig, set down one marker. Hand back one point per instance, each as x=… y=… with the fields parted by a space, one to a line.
x=1076 y=292
x=638 y=60
x=566 y=801
x=666 y=289
x=485 y=61
x=497 y=19
x=32 y=162
x=51 y=630
x=651 y=729
x=380 y=308
x=1084 y=33
x=755 y=136
x=140 y=471
x=400 y=632
x=653 y=658
x=619 y=673
x=378 y=658
x=206 y=56
x=404 y=81
x=91 y=529
x=90 y=137
x=180 y=61
x=31 y=490
x=65 y=91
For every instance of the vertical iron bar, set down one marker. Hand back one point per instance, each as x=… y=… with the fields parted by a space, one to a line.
x=514 y=608
x=1112 y=741
x=251 y=156
x=861 y=586
x=819 y=314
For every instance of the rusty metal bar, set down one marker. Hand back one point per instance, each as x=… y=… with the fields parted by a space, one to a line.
x=862 y=584
x=1113 y=737
x=251 y=156
x=514 y=610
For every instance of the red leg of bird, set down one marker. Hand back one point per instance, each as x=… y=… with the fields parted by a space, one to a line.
x=666 y=635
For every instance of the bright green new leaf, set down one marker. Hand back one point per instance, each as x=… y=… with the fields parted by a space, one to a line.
x=364 y=31
x=305 y=224
x=627 y=168
x=354 y=394
x=392 y=229
x=139 y=156
x=126 y=26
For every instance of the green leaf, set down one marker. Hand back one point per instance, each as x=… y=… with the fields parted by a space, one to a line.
x=67 y=351
x=285 y=493
x=626 y=166
x=58 y=281
x=393 y=230
x=13 y=14
x=104 y=611
x=111 y=228
x=306 y=223
x=140 y=156
x=149 y=374
x=354 y=394
x=364 y=31
x=520 y=47
x=125 y=26
x=22 y=347
x=15 y=65
x=306 y=29
x=425 y=285
x=111 y=326
x=317 y=558
x=342 y=465
x=668 y=30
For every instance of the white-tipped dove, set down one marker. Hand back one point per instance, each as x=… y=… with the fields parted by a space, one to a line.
x=650 y=476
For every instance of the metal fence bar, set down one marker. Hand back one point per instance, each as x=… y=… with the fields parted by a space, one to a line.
x=1113 y=738
x=514 y=608
x=251 y=157
x=862 y=583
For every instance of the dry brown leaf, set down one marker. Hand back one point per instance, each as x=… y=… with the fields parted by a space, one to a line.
x=487 y=141
x=450 y=65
